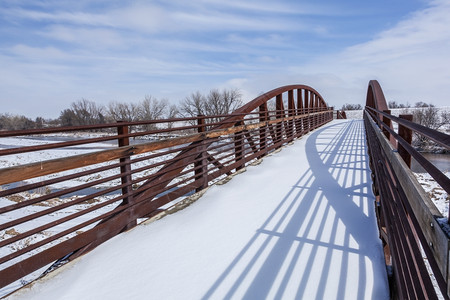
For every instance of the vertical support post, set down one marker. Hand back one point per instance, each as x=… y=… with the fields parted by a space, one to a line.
x=316 y=109
x=313 y=110
x=263 y=116
x=280 y=114
x=291 y=113
x=125 y=170
x=388 y=123
x=200 y=165
x=406 y=134
x=306 y=119
x=238 y=147
x=298 y=124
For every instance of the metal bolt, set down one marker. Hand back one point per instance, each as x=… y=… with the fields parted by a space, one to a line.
x=432 y=225
x=431 y=244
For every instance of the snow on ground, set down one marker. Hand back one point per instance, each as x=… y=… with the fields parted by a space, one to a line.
x=437 y=194
x=42 y=155
x=358 y=114
x=299 y=225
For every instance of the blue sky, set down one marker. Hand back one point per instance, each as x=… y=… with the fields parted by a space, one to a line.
x=54 y=52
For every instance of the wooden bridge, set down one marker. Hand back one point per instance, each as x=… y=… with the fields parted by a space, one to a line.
x=54 y=211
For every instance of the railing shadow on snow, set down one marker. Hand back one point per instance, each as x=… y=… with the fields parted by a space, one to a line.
x=326 y=218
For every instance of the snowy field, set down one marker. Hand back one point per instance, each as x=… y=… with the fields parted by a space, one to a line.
x=358 y=114
x=43 y=155
x=309 y=232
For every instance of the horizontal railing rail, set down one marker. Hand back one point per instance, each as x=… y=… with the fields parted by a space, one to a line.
x=61 y=199
x=415 y=242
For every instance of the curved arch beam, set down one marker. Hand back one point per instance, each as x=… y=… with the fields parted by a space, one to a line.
x=255 y=103
x=375 y=97
x=249 y=107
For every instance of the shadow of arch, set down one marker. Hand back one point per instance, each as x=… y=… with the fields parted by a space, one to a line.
x=330 y=198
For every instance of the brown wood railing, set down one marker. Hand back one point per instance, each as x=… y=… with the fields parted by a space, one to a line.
x=57 y=209
x=415 y=243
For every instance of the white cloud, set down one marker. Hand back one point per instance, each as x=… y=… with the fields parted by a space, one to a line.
x=141 y=17
x=79 y=18
x=86 y=37
x=410 y=60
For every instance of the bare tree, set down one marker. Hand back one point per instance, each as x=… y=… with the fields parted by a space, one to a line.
x=119 y=111
x=172 y=113
x=428 y=116
x=193 y=105
x=39 y=122
x=214 y=104
x=152 y=108
x=15 y=122
x=423 y=104
x=68 y=118
x=87 y=112
x=231 y=100
x=394 y=104
x=347 y=106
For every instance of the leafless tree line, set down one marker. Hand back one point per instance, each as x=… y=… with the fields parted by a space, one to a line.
x=86 y=112
x=431 y=117
x=215 y=103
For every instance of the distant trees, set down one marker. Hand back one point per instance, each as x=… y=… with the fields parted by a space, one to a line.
x=15 y=122
x=394 y=104
x=87 y=112
x=215 y=103
x=347 y=106
x=153 y=109
x=429 y=116
x=121 y=111
x=82 y=112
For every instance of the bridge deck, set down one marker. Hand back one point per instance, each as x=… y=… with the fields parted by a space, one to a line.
x=299 y=225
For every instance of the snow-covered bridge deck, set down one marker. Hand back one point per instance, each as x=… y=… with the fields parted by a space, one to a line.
x=300 y=225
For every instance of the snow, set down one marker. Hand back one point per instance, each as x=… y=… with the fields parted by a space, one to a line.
x=437 y=194
x=358 y=114
x=301 y=224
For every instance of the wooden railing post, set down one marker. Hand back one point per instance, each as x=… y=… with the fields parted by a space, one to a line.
x=291 y=113
x=387 y=123
x=279 y=114
x=200 y=165
x=125 y=169
x=299 y=123
x=311 y=110
x=262 y=130
x=315 y=119
x=238 y=147
x=406 y=134
x=306 y=124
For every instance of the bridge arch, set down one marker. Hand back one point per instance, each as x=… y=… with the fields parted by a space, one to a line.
x=310 y=97
x=181 y=157
x=375 y=97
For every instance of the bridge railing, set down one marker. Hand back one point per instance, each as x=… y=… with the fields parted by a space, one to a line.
x=411 y=227
x=57 y=209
